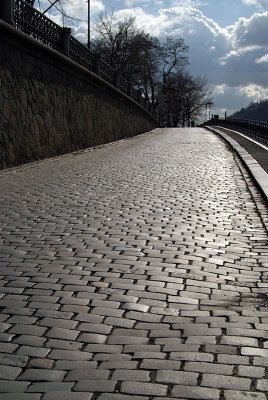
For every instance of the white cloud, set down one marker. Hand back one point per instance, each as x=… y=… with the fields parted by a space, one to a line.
x=233 y=99
x=76 y=9
x=263 y=59
x=130 y=3
x=262 y=4
x=237 y=53
x=174 y=21
x=136 y=3
x=219 y=89
x=253 y=92
x=155 y=25
x=227 y=98
x=187 y=3
x=243 y=64
x=250 y=32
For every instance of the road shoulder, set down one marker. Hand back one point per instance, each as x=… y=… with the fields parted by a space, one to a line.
x=254 y=157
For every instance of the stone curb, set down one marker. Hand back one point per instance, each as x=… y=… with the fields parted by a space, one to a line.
x=258 y=174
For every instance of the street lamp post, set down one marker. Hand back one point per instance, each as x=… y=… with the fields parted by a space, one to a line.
x=209 y=104
x=88 y=24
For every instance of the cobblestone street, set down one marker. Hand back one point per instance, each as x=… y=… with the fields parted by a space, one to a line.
x=134 y=271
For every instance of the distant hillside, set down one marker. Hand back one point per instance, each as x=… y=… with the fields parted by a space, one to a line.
x=255 y=111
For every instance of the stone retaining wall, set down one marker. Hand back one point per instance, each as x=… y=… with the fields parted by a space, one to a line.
x=50 y=105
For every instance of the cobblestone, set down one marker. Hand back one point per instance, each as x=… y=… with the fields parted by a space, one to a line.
x=84 y=374
x=38 y=387
x=226 y=382
x=134 y=271
x=59 y=395
x=98 y=385
x=177 y=377
x=131 y=375
x=243 y=395
x=191 y=392
x=141 y=388
x=253 y=372
x=63 y=344
x=13 y=359
x=209 y=368
x=262 y=385
x=20 y=396
x=117 y=396
x=33 y=351
x=9 y=373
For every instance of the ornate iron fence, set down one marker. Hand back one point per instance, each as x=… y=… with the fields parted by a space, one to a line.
x=107 y=72
x=258 y=130
x=124 y=85
x=79 y=53
x=27 y=19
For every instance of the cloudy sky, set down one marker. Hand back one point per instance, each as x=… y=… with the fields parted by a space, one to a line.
x=228 y=39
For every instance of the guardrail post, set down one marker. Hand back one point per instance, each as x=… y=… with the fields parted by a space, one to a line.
x=7 y=11
x=97 y=64
x=66 y=32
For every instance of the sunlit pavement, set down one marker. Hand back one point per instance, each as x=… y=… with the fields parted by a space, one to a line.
x=134 y=271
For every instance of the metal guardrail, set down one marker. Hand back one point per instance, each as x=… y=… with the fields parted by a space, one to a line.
x=257 y=130
x=27 y=19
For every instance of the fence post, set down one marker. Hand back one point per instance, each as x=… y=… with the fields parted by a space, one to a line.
x=116 y=79
x=7 y=11
x=139 y=97
x=129 y=89
x=66 y=32
x=97 y=64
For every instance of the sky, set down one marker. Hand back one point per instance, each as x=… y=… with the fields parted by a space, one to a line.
x=227 y=39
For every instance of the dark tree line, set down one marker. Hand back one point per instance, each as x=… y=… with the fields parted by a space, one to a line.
x=158 y=69
x=255 y=111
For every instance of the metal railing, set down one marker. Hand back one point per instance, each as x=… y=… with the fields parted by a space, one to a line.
x=124 y=85
x=257 y=130
x=37 y=25
x=27 y=19
x=79 y=53
x=107 y=73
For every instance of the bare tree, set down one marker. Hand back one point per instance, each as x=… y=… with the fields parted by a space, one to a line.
x=145 y=65
x=186 y=97
x=173 y=58
x=157 y=68
x=113 y=38
x=59 y=5
x=197 y=94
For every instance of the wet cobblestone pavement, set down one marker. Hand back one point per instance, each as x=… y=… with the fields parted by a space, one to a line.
x=134 y=271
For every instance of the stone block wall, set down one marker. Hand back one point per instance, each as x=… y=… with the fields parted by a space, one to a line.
x=49 y=105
